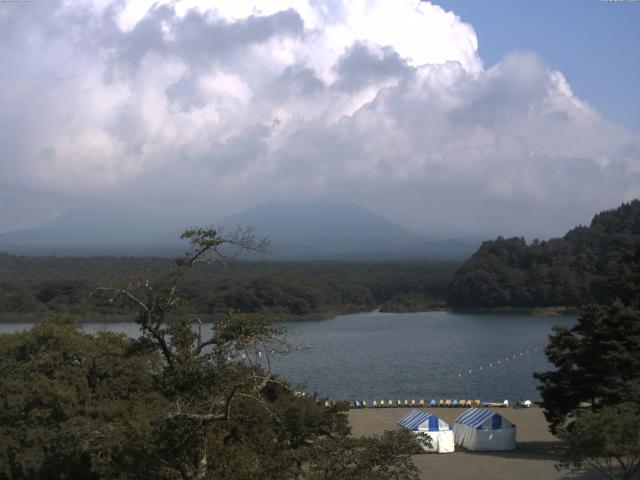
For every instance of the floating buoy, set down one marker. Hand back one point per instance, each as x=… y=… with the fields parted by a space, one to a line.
x=511 y=356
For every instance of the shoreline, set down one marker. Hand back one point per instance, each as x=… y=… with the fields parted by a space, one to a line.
x=34 y=317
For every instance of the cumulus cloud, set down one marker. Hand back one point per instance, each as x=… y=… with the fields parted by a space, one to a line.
x=215 y=106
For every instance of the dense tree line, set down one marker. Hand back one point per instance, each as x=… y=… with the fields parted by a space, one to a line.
x=568 y=271
x=184 y=401
x=32 y=286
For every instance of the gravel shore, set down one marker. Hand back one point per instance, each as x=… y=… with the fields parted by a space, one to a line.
x=534 y=459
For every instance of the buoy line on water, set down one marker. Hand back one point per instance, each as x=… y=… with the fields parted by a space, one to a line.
x=506 y=360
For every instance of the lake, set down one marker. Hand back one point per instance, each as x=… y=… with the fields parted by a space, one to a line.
x=410 y=355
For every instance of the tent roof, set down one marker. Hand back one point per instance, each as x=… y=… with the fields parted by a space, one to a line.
x=481 y=418
x=416 y=420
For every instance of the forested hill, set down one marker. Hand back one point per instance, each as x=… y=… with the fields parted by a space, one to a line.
x=567 y=271
x=35 y=287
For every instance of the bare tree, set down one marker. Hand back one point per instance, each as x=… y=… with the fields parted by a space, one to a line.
x=229 y=416
x=208 y=367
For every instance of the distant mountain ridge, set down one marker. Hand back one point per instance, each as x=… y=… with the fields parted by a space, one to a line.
x=317 y=221
x=96 y=230
x=322 y=231
x=303 y=231
x=568 y=271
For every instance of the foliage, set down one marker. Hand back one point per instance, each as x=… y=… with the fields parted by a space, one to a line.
x=592 y=399
x=568 y=271
x=40 y=285
x=185 y=400
x=597 y=361
x=412 y=302
x=74 y=405
x=607 y=440
x=374 y=458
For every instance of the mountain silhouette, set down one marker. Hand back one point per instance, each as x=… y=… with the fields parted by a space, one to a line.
x=302 y=231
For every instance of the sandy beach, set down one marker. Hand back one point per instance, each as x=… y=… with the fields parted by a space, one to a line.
x=534 y=459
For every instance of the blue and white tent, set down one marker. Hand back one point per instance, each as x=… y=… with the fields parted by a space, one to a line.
x=484 y=430
x=438 y=430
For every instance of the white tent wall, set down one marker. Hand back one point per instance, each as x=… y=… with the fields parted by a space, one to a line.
x=441 y=442
x=484 y=440
x=438 y=430
x=484 y=430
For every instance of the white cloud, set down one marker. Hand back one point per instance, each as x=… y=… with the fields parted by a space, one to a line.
x=386 y=104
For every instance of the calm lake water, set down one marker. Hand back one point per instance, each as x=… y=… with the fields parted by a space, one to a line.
x=411 y=355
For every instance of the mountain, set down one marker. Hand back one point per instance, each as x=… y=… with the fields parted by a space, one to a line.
x=319 y=221
x=568 y=271
x=320 y=231
x=97 y=230
x=303 y=231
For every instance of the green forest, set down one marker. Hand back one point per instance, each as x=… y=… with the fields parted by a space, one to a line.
x=570 y=271
x=504 y=273
x=193 y=403
x=175 y=403
x=31 y=287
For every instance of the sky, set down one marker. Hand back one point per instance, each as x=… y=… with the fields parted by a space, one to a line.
x=593 y=42
x=470 y=118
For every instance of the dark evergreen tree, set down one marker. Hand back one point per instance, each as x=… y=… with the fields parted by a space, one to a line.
x=592 y=398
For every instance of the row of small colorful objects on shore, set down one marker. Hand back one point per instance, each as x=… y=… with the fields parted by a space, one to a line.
x=413 y=403
x=432 y=404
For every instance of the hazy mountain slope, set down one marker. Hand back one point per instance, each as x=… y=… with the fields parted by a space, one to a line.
x=338 y=231
x=96 y=229
x=319 y=221
x=298 y=232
